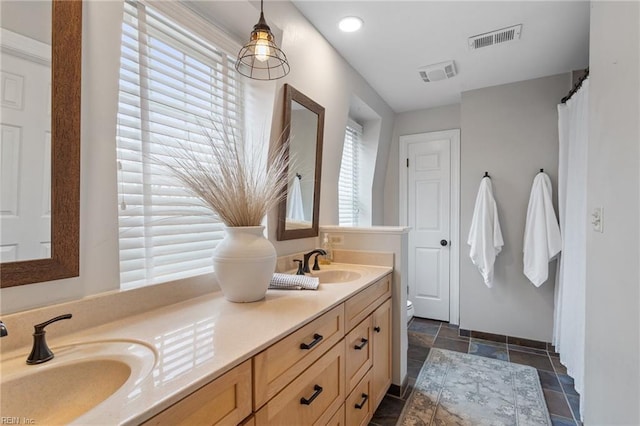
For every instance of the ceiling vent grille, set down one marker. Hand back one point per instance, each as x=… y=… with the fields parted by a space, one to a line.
x=436 y=72
x=495 y=37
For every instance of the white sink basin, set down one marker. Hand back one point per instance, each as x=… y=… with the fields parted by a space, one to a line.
x=336 y=276
x=78 y=379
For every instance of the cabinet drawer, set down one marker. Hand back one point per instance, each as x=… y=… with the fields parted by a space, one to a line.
x=313 y=397
x=364 y=303
x=358 y=406
x=224 y=401
x=359 y=353
x=282 y=362
x=338 y=418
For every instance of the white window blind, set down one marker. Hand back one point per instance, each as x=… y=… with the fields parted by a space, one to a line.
x=348 y=202
x=172 y=83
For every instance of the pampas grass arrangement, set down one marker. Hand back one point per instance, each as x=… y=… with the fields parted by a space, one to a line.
x=234 y=182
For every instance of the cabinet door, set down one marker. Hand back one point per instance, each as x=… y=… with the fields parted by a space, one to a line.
x=224 y=401
x=359 y=353
x=381 y=369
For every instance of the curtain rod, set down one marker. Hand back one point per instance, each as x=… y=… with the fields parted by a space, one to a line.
x=576 y=87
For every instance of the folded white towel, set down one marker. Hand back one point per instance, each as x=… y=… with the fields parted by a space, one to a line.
x=541 y=235
x=294 y=282
x=485 y=236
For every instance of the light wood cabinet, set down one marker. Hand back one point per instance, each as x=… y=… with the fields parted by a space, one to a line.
x=224 y=401
x=334 y=371
x=382 y=360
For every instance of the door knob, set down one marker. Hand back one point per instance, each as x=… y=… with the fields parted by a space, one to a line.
x=443 y=243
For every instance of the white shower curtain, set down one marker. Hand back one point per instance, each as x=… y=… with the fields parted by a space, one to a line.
x=569 y=310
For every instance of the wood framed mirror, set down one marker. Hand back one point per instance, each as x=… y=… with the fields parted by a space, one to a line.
x=303 y=129
x=61 y=258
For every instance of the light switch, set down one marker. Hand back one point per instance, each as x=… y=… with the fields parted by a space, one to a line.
x=597 y=219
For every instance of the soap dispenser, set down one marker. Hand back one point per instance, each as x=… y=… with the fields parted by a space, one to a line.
x=326 y=246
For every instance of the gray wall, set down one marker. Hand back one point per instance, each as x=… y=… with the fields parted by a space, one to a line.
x=407 y=123
x=612 y=378
x=511 y=131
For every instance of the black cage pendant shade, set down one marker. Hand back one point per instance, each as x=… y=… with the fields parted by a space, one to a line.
x=261 y=58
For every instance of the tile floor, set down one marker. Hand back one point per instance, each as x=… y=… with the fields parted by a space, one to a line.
x=562 y=399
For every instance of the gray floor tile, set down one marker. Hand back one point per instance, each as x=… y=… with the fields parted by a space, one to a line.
x=451 y=344
x=418 y=353
x=574 y=404
x=557 y=366
x=534 y=360
x=567 y=384
x=548 y=380
x=528 y=349
x=488 y=351
x=562 y=421
x=557 y=404
x=388 y=412
x=420 y=339
x=422 y=327
x=450 y=333
x=489 y=342
x=414 y=367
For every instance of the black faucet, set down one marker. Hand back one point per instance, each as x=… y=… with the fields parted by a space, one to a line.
x=307 y=256
x=3 y=329
x=40 y=352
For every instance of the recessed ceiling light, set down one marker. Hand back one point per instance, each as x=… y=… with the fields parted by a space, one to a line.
x=350 y=24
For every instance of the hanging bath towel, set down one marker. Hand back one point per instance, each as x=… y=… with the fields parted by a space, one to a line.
x=296 y=210
x=541 y=233
x=485 y=236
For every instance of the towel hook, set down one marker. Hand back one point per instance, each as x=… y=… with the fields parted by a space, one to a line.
x=541 y=170
x=486 y=174
x=299 y=176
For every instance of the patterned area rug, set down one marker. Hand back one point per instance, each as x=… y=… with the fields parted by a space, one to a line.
x=461 y=389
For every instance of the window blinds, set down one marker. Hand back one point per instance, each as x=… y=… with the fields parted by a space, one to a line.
x=348 y=202
x=172 y=83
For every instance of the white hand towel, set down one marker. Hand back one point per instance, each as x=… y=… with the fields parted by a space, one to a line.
x=294 y=282
x=296 y=209
x=485 y=236
x=542 y=239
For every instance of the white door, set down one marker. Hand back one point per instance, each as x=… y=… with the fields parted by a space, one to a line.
x=428 y=213
x=25 y=159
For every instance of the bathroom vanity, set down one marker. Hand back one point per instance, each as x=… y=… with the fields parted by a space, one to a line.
x=333 y=370
x=297 y=357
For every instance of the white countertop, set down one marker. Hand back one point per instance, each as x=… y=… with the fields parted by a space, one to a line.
x=198 y=340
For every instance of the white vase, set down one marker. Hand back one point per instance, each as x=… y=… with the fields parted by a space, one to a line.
x=244 y=263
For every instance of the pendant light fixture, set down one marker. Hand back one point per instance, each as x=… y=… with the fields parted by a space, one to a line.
x=261 y=58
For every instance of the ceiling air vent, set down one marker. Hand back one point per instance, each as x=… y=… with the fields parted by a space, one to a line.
x=440 y=71
x=495 y=37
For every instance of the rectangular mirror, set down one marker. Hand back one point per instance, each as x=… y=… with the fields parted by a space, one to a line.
x=40 y=140
x=304 y=129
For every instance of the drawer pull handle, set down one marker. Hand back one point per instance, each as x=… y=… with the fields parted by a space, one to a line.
x=365 y=397
x=377 y=329
x=316 y=339
x=317 y=390
x=361 y=345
